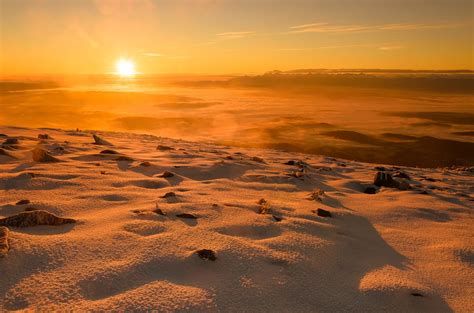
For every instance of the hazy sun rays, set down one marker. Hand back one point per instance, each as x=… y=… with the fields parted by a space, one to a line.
x=125 y=67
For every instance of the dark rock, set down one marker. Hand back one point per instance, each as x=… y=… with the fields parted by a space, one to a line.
x=206 y=254
x=186 y=215
x=323 y=213
x=159 y=211
x=41 y=155
x=100 y=141
x=416 y=294
x=290 y=162
x=3 y=135
x=380 y=168
x=145 y=164
x=34 y=218
x=164 y=148
x=108 y=151
x=29 y=209
x=261 y=201
x=168 y=195
x=11 y=141
x=370 y=190
x=4 y=246
x=316 y=195
x=21 y=202
x=166 y=174
x=44 y=136
x=229 y=157
x=385 y=179
x=277 y=218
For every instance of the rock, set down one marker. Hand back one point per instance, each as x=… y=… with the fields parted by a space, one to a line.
x=370 y=190
x=383 y=179
x=166 y=174
x=3 y=135
x=11 y=141
x=44 y=136
x=159 y=211
x=29 y=209
x=323 y=213
x=145 y=164
x=100 y=141
x=206 y=254
x=34 y=218
x=168 y=195
x=416 y=294
x=261 y=201
x=108 y=151
x=403 y=185
x=257 y=159
x=380 y=168
x=316 y=195
x=4 y=246
x=297 y=174
x=21 y=202
x=186 y=215
x=164 y=148
x=229 y=157
x=41 y=155
x=277 y=218
x=400 y=174
x=290 y=162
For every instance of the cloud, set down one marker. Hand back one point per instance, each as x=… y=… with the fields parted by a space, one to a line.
x=232 y=35
x=391 y=47
x=153 y=54
x=327 y=28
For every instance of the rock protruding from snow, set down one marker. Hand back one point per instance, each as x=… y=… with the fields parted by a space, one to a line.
x=4 y=246
x=100 y=141
x=41 y=155
x=385 y=179
x=207 y=254
x=34 y=218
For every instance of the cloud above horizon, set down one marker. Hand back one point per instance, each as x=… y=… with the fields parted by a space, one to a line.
x=329 y=28
x=232 y=35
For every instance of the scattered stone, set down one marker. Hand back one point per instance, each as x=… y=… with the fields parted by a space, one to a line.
x=323 y=213
x=41 y=155
x=4 y=246
x=166 y=174
x=316 y=195
x=21 y=202
x=277 y=218
x=108 y=151
x=186 y=215
x=100 y=141
x=34 y=218
x=44 y=136
x=168 y=195
x=416 y=294
x=145 y=164
x=370 y=190
x=206 y=254
x=164 y=148
x=257 y=159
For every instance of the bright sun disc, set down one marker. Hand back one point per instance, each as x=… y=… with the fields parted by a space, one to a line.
x=125 y=67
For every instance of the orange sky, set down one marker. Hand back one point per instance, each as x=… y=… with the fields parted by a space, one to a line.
x=241 y=36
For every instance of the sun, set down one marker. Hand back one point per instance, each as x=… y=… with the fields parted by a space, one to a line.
x=125 y=67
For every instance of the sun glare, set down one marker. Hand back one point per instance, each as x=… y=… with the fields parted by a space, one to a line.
x=125 y=67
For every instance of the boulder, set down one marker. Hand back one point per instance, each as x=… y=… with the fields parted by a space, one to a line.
x=100 y=141
x=34 y=218
x=41 y=155
x=207 y=254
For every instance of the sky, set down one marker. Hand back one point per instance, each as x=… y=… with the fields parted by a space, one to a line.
x=233 y=36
